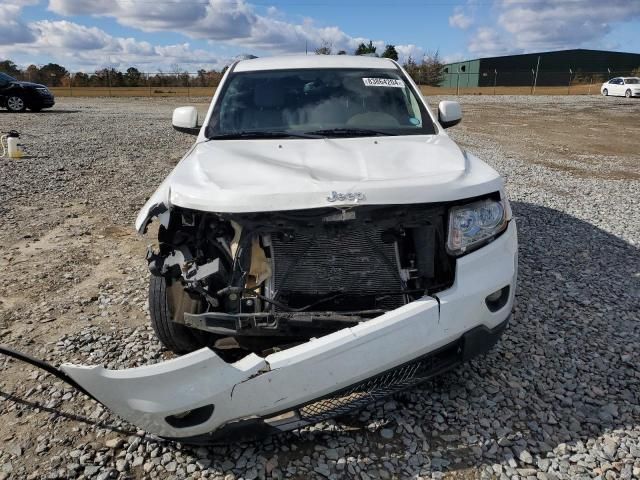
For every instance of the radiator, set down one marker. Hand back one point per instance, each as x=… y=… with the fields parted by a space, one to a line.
x=344 y=258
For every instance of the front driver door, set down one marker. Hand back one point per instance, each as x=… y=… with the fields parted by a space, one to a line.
x=619 y=87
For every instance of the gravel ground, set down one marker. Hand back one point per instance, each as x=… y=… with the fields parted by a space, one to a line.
x=559 y=397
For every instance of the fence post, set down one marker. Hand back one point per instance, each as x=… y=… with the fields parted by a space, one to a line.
x=109 y=82
x=569 y=87
x=535 y=80
x=70 y=84
x=590 y=83
x=495 y=79
x=458 y=83
x=149 y=82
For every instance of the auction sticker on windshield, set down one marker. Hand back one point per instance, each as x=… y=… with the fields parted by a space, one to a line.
x=383 y=82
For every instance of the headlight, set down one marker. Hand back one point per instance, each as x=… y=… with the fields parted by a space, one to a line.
x=42 y=90
x=475 y=224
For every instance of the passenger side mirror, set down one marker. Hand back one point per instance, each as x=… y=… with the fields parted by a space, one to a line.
x=449 y=113
x=185 y=120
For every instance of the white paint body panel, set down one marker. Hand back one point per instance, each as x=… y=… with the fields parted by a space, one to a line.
x=313 y=61
x=269 y=175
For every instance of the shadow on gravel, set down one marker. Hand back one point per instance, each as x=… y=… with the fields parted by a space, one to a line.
x=52 y=112
x=47 y=112
x=566 y=371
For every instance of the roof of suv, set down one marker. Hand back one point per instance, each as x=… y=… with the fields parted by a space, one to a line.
x=313 y=61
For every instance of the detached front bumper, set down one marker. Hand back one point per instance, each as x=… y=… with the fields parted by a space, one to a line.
x=199 y=397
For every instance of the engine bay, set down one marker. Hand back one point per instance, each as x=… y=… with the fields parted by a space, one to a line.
x=263 y=282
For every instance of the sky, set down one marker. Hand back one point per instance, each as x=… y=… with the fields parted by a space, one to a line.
x=187 y=35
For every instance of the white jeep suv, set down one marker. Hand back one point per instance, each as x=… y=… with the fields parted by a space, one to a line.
x=323 y=243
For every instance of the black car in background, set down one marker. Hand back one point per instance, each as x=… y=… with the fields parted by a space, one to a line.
x=17 y=96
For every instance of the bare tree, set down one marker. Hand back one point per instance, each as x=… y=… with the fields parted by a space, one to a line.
x=325 y=48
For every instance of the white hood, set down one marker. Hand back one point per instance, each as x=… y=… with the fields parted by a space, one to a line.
x=269 y=175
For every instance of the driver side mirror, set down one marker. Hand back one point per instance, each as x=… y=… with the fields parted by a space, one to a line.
x=449 y=113
x=185 y=120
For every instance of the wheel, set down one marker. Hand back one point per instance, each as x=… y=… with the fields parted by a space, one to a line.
x=627 y=94
x=605 y=92
x=16 y=104
x=165 y=302
x=35 y=109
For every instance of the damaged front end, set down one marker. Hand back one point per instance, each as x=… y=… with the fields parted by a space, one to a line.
x=267 y=281
x=299 y=316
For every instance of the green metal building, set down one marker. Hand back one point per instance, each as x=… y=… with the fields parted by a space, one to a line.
x=553 y=68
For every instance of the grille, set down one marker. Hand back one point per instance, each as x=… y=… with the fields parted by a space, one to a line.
x=376 y=388
x=337 y=259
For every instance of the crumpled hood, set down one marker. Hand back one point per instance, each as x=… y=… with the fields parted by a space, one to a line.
x=258 y=175
x=268 y=175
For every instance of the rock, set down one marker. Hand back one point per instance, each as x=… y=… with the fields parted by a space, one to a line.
x=386 y=433
x=91 y=470
x=525 y=457
x=122 y=465
x=114 y=443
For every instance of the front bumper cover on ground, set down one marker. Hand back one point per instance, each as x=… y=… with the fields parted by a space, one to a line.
x=192 y=396
x=471 y=344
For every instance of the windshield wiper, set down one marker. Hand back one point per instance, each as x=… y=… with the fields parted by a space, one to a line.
x=262 y=134
x=349 y=132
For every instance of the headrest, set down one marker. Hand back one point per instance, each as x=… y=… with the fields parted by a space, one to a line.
x=268 y=95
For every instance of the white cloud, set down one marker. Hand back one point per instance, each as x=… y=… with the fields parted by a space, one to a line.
x=413 y=51
x=13 y=30
x=69 y=36
x=548 y=24
x=459 y=19
x=231 y=21
x=89 y=48
x=487 y=42
x=537 y=25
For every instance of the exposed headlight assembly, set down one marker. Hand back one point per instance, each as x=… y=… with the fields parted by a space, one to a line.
x=475 y=224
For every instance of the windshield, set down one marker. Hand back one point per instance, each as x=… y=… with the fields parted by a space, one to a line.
x=6 y=79
x=632 y=81
x=316 y=103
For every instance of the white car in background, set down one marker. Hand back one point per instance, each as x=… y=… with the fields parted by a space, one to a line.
x=622 y=87
x=322 y=244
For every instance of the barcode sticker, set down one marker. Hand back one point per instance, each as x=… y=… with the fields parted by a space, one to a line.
x=383 y=82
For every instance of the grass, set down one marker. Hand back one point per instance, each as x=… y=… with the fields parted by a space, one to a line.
x=133 y=91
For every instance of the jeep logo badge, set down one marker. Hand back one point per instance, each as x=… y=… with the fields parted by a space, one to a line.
x=350 y=196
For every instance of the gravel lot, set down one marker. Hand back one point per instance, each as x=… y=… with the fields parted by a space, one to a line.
x=559 y=397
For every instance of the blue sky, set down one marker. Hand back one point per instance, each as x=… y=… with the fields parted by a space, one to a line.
x=192 y=34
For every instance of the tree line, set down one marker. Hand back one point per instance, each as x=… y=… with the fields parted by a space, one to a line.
x=54 y=75
x=428 y=70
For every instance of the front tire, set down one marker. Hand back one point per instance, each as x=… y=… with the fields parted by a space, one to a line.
x=605 y=92
x=627 y=94
x=16 y=104
x=164 y=300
